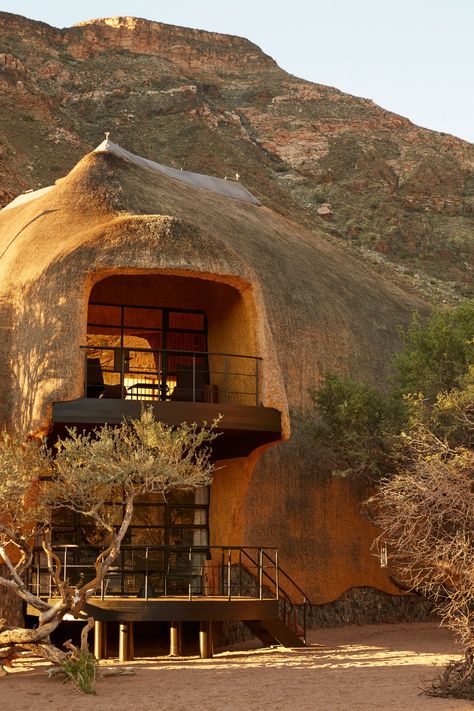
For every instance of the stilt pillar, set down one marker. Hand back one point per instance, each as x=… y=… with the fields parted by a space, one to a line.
x=205 y=640
x=100 y=639
x=176 y=639
x=126 y=642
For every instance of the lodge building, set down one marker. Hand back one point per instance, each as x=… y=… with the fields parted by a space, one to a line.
x=129 y=283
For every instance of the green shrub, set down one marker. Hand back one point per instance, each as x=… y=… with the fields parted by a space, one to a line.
x=81 y=670
x=354 y=422
x=358 y=429
x=438 y=353
x=320 y=196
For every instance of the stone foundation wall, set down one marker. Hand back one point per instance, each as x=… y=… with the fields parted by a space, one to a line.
x=367 y=606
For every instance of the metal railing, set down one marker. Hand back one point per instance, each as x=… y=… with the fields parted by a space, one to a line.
x=164 y=374
x=294 y=612
x=148 y=572
x=152 y=571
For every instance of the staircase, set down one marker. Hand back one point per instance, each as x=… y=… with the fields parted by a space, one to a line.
x=275 y=631
x=284 y=629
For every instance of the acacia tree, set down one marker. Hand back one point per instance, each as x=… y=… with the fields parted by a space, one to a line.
x=87 y=471
x=426 y=514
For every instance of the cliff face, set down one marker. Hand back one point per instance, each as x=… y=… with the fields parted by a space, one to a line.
x=216 y=104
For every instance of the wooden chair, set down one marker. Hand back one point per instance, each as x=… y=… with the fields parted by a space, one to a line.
x=95 y=378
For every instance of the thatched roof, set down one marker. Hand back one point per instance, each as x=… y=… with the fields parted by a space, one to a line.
x=317 y=308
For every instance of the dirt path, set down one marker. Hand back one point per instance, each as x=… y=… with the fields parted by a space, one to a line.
x=373 y=668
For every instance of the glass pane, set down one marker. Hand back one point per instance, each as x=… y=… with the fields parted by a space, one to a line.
x=147 y=536
x=148 y=515
x=182 y=516
x=139 y=362
x=99 y=331
x=92 y=536
x=189 y=322
x=187 y=342
x=115 y=513
x=181 y=497
x=136 y=317
x=61 y=516
x=106 y=315
x=63 y=534
x=181 y=537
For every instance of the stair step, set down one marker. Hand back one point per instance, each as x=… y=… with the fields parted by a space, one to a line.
x=292 y=622
x=273 y=631
x=261 y=632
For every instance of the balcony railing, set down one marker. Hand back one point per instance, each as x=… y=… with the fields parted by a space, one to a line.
x=153 y=571
x=150 y=572
x=153 y=374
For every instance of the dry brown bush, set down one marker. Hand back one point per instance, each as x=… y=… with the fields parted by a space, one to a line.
x=426 y=513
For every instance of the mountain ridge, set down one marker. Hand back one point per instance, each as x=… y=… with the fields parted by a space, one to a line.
x=212 y=103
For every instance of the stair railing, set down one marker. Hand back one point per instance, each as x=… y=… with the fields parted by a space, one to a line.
x=289 y=607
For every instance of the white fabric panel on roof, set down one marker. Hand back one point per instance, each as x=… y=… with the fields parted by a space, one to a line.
x=27 y=197
x=228 y=188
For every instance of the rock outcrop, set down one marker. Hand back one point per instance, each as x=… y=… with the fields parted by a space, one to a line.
x=217 y=104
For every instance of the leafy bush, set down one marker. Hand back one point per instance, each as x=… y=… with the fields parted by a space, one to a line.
x=81 y=670
x=358 y=428
x=353 y=422
x=438 y=353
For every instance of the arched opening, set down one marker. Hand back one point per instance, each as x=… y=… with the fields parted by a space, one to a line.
x=171 y=337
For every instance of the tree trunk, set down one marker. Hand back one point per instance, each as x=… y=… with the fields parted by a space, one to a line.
x=11 y=607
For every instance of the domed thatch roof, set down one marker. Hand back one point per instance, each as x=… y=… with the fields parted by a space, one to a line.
x=316 y=309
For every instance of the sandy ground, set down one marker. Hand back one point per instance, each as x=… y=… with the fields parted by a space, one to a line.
x=350 y=669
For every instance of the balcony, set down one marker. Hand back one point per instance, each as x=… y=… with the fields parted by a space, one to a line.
x=180 y=386
x=184 y=583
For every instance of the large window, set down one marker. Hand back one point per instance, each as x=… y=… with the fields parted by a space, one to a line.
x=144 y=349
x=178 y=523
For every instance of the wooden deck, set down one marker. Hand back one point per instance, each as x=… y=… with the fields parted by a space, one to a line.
x=177 y=608
x=180 y=609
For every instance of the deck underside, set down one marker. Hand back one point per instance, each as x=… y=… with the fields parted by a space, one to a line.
x=178 y=609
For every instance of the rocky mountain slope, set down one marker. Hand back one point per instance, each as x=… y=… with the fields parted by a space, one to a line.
x=217 y=104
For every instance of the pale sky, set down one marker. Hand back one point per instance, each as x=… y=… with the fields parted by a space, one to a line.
x=413 y=57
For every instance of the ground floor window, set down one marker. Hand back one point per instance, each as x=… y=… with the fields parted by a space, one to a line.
x=156 y=546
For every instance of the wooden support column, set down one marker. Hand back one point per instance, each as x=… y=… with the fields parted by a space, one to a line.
x=131 y=641
x=205 y=640
x=126 y=642
x=176 y=639
x=100 y=639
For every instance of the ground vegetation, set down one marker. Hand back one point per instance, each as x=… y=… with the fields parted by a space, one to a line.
x=415 y=445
